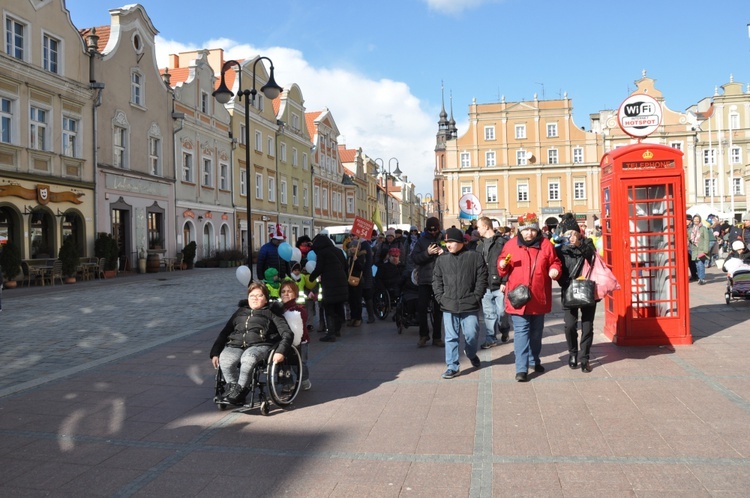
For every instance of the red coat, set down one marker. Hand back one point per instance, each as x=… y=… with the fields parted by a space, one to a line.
x=519 y=268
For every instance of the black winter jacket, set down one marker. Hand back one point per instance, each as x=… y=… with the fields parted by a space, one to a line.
x=332 y=269
x=491 y=250
x=572 y=259
x=459 y=281
x=423 y=260
x=248 y=327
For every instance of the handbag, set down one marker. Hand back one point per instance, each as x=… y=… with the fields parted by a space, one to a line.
x=581 y=292
x=606 y=282
x=352 y=279
x=521 y=294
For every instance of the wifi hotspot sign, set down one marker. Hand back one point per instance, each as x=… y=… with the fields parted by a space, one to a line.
x=639 y=115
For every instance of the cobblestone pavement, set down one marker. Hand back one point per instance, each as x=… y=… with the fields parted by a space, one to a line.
x=107 y=391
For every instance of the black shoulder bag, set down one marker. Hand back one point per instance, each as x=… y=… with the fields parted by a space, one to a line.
x=521 y=294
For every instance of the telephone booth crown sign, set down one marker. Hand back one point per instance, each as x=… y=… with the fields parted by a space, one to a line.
x=644 y=234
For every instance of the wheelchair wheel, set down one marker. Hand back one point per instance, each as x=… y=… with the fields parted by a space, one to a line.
x=285 y=378
x=219 y=391
x=382 y=303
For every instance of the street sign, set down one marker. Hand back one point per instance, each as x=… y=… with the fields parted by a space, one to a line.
x=639 y=115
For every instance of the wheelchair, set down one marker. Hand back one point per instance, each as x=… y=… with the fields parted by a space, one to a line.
x=269 y=382
x=383 y=302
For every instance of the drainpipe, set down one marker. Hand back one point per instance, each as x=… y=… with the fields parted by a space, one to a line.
x=92 y=46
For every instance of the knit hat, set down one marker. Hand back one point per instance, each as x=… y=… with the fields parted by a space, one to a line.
x=746 y=216
x=390 y=232
x=569 y=223
x=454 y=235
x=413 y=228
x=394 y=251
x=737 y=245
x=278 y=233
x=529 y=220
x=270 y=274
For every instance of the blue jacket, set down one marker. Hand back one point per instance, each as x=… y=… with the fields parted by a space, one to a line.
x=269 y=258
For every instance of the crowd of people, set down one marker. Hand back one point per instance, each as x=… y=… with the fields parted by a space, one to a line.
x=505 y=274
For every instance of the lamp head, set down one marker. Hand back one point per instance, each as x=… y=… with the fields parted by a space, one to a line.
x=271 y=89
x=223 y=94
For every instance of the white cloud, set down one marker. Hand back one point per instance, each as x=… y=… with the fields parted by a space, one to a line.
x=381 y=116
x=456 y=6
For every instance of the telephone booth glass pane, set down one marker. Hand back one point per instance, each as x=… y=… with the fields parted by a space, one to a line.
x=653 y=275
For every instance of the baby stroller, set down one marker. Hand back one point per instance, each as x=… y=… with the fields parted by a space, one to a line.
x=269 y=381
x=738 y=284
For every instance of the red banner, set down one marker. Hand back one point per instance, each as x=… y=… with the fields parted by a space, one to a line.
x=362 y=228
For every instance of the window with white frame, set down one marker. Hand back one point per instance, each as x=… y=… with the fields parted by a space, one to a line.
x=282 y=152
x=51 y=53
x=304 y=161
x=295 y=193
x=551 y=130
x=735 y=155
x=6 y=120
x=258 y=186
x=316 y=197
x=552 y=157
x=578 y=155
x=737 y=185
x=283 y=192
x=350 y=204
x=70 y=146
x=136 y=88
x=295 y=121
x=553 y=190
x=465 y=160
x=260 y=102
x=223 y=176
x=243 y=135
x=709 y=187
x=489 y=133
x=520 y=131
x=522 y=191
x=491 y=193
x=154 y=155
x=120 y=147
x=489 y=158
x=258 y=141
x=676 y=145
x=734 y=121
x=709 y=156
x=208 y=173
x=465 y=189
x=294 y=157
x=579 y=189
x=521 y=159
x=270 y=147
x=15 y=38
x=272 y=189
x=204 y=102
x=188 y=175
x=243 y=183
x=38 y=128
x=305 y=197
x=325 y=198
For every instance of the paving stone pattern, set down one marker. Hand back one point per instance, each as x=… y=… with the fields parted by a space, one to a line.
x=106 y=387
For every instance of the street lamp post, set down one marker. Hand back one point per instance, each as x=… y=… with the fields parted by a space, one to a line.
x=222 y=95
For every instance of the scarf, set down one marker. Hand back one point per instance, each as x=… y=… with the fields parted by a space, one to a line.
x=695 y=235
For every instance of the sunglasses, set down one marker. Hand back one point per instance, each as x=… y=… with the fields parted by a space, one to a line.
x=433 y=229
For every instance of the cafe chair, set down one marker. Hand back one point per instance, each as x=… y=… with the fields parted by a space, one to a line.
x=56 y=272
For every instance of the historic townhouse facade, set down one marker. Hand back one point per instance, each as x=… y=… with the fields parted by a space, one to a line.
x=204 y=206
x=329 y=191
x=517 y=157
x=46 y=131
x=294 y=168
x=135 y=194
x=353 y=161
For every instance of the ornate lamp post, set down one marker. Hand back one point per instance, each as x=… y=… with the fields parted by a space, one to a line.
x=222 y=95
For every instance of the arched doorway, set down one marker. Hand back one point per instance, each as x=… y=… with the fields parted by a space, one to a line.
x=42 y=241
x=73 y=226
x=188 y=233
x=10 y=226
x=224 y=237
x=208 y=235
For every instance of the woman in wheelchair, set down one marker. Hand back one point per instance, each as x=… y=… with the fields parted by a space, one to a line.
x=247 y=339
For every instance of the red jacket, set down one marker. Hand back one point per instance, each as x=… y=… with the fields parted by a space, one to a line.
x=518 y=273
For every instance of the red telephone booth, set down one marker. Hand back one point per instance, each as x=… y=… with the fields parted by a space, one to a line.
x=644 y=232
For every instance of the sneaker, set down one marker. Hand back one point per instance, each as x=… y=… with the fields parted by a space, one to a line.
x=356 y=323
x=504 y=335
x=237 y=395
x=438 y=343
x=306 y=385
x=423 y=341
x=701 y=282
x=522 y=377
x=328 y=338
x=489 y=344
x=475 y=362
x=449 y=374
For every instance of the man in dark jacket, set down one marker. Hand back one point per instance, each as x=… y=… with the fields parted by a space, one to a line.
x=424 y=254
x=493 y=302
x=335 y=288
x=269 y=255
x=459 y=281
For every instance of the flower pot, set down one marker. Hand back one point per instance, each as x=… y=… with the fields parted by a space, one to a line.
x=10 y=284
x=109 y=273
x=70 y=280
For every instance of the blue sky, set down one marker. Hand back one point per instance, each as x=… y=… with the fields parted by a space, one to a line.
x=378 y=66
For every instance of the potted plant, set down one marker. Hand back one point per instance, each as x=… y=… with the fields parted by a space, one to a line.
x=10 y=262
x=105 y=247
x=188 y=255
x=69 y=256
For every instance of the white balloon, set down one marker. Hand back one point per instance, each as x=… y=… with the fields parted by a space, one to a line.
x=310 y=266
x=244 y=275
x=296 y=254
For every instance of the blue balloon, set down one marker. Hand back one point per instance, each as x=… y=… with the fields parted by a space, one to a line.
x=285 y=251
x=311 y=256
x=374 y=270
